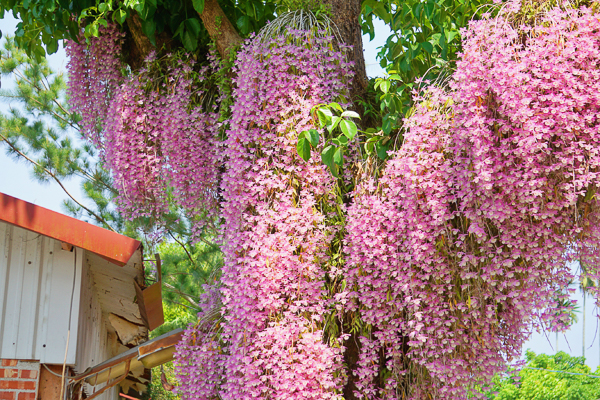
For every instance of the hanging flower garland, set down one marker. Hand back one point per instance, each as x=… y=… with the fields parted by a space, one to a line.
x=463 y=246
x=275 y=237
x=161 y=143
x=94 y=75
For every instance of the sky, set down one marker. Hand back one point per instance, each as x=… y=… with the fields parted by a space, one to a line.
x=16 y=179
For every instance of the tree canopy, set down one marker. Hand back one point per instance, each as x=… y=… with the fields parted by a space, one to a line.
x=548 y=377
x=383 y=239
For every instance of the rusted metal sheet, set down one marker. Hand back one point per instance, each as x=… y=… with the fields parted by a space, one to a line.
x=150 y=299
x=167 y=340
x=160 y=348
x=110 y=245
x=150 y=303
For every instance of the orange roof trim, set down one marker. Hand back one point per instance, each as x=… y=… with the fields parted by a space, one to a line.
x=112 y=246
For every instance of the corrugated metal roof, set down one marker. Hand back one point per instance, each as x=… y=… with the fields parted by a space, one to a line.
x=110 y=245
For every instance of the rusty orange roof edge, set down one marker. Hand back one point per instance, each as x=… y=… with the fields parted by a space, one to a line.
x=112 y=246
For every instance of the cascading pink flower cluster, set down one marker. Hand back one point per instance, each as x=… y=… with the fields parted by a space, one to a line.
x=275 y=234
x=200 y=358
x=94 y=75
x=462 y=247
x=158 y=141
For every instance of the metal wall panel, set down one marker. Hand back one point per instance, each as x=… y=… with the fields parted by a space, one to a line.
x=37 y=281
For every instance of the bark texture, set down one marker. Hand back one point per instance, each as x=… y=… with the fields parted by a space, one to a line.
x=138 y=46
x=219 y=27
x=346 y=15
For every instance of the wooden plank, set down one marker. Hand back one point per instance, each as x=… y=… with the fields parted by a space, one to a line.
x=150 y=303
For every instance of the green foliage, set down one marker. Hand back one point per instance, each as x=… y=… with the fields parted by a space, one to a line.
x=156 y=390
x=316 y=6
x=424 y=44
x=425 y=33
x=45 y=22
x=537 y=382
x=341 y=129
x=185 y=268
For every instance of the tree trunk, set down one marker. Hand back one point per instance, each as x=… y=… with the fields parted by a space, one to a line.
x=138 y=46
x=346 y=15
x=219 y=27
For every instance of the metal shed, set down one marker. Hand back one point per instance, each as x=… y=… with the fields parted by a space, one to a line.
x=63 y=280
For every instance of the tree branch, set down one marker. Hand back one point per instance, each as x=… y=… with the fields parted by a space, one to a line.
x=219 y=27
x=186 y=296
x=184 y=249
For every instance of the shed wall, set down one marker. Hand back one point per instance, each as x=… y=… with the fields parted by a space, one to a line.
x=93 y=342
x=37 y=281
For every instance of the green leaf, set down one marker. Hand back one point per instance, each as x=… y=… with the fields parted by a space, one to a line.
x=391 y=104
x=350 y=114
x=387 y=125
x=382 y=149
x=39 y=52
x=450 y=35
x=338 y=156
x=427 y=46
x=324 y=114
x=370 y=144
x=340 y=140
x=385 y=86
x=348 y=128
x=396 y=50
x=52 y=46
x=189 y=40
x=303 y=148
x=120 y=16
x=198 y=6
x=148 y=12
x=193 y=24
x=336 y=106
x=589 y=195
x=180 y=30
x=327 y=158
x=313 y=137
x=243 y=24
x=334 y=123
x=149 y=27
